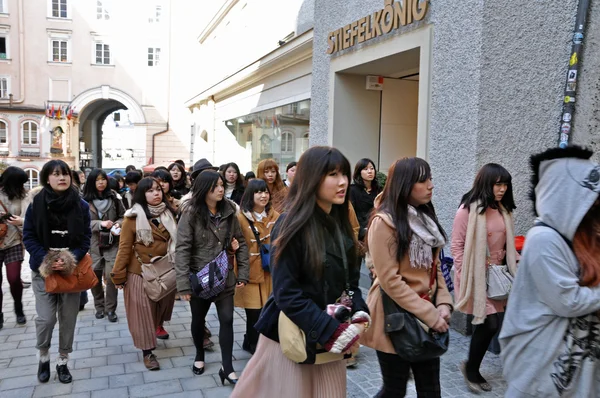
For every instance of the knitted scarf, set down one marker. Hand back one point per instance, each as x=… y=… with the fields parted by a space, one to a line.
x=473 y=285
x=425 y=236
x=143 y=230
x=50 y=207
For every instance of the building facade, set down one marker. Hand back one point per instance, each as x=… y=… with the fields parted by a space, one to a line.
x=66 y=65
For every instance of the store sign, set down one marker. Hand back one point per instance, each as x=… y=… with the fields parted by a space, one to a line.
x=393 y=15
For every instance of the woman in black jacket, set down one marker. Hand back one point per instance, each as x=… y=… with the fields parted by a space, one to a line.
x=234 y=182
x=314 y=265
x=363 y=191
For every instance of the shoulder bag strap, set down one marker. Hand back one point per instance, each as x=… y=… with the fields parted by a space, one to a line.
x=256 y=234
x=229 y=233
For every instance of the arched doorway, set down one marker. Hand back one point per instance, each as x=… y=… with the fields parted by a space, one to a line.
x=93 y=107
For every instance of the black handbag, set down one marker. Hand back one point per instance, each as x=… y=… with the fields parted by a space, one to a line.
x=411 y=341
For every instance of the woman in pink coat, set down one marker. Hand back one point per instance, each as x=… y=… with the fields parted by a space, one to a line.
x=482 y=234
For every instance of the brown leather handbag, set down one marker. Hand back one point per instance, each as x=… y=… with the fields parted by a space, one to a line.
x=82 y=278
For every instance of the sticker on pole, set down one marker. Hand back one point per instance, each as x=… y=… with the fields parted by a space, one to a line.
x=571 y=87
x=572 y=76
x=567 y=117
x=573 y=59
x=578 y=38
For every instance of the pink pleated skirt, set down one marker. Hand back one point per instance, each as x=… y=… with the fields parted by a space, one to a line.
x=270 y=374
x=143 y=314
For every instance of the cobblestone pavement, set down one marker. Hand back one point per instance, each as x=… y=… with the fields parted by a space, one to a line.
x=105 y=363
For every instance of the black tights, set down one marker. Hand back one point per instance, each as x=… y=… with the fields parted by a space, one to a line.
x=480 y=341
x=395 y=373
x=252 y=316
x=199 y=309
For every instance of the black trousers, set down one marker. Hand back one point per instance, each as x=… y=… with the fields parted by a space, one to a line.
x=480 y=341
x=252 y=316
x=395 y=373
x=199 y=308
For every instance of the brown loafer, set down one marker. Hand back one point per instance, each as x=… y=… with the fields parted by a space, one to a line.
x=474 y=387
x=151 y=362
x=208 y=345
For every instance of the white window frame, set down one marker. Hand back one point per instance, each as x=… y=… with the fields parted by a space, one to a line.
x=156 y=13
x=289 y=142
x=30 y=183
x=67 y=9
x=3 y=7
x=103 y=10
x=102 y=43
x=4 y=94
x=7 y=41
x=155 y=59
x=37 y=133
x=5 y=130
x=51 y=41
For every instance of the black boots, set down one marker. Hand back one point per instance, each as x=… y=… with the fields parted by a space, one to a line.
x=1 y=320
x=44 y=372
x=64 y=376
x=247 y=346
x=21 y=320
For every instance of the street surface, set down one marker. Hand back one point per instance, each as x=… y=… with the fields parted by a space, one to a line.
x=105 y=363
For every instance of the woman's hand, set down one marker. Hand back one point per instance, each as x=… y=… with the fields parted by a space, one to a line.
x=235 y=245
x=445 y=312
x=239 y=285
x=15 y=220
x=440 y=326
x=106 y=224
x=58 y=265
x=121 y=286
x=185 y=297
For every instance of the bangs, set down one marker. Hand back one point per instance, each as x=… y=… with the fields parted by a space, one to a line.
x=337 y=162
x=257 y=185
x=423 y=171
x=503 y=177
x=270 y=164
x=63 y=169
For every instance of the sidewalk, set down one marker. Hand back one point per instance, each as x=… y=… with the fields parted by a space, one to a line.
x=105 y=363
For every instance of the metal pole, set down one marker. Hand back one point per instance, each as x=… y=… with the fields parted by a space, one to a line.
x=566 y=122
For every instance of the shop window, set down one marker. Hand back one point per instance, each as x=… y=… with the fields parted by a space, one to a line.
x=4 y=87
x=102 y=10
x=102 y=54
x=34 y=179
x=29 y=133
x=287 y=143
x=153 y=56
x=59 y=9
x=3 y=132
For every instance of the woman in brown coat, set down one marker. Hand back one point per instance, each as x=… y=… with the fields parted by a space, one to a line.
x=149 y=230
x=268 y=170
x=208 y=226
x=257 y=219
x=404 y=238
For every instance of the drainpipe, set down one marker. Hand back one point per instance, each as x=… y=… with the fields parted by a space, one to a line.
x=21 y=58
x=153 y=143
x=573 y=77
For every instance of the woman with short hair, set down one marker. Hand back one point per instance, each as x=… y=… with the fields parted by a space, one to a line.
x=57 y=235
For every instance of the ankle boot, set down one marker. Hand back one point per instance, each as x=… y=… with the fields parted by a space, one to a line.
x=1 y=320
x=44 y=371
x=21 y=320
x=64 y=376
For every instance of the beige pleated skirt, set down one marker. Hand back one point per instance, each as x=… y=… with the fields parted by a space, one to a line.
x=143 y=314
x=269 y=374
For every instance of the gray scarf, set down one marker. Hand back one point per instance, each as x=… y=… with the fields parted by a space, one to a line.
x=102 y=206
x=425 y=236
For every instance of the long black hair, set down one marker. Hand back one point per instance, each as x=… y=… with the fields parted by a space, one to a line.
x=164 y=176
x=89 y=189
x=12 y=182
x=182 y=180
x=239 y=182
x=483 y=189
x=357 y=177
x=204 y=183
x=139 y=197
x=402 y=177
x=301 y=223
x=254 y=186
x=51 y=167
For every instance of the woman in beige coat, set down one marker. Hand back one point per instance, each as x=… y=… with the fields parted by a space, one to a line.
x=257 y=219
x=404 y=238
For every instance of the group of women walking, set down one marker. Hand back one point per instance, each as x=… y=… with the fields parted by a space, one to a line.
x=288 y=254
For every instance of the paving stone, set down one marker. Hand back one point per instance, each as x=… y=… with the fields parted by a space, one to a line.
x=18 y=393
x=112 y=393
x=106 y=351
x=119 y=341
x=218 y=392
x=91 y=329
x=197 y=383
x=91 y=362
x=109 y=370
x=126 y=380
x=51 y=389
x=98 y=383
x=155 y=389
x=123 y=358
x=16 y=371
x=184 y=342
x=27 y=380
x=91 y=344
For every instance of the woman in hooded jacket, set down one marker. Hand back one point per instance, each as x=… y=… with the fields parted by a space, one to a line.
x=106 y=212
x=57 y=236
x=257 y=219
x=550 y=338
x=483 y=234
x=149 y=230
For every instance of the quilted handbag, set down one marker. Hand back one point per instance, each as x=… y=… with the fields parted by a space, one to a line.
x=499 y=282
x=158 y=278
x=212 y=278
x=82 y=278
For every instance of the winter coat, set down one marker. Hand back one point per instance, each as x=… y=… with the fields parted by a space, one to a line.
x=401 y=282
x=129 y=248
x=362 y=201
x=255 y=294
x=302 y=295
x=16 y=207
x=550 y=338
x=115 y=213
x=197 y=246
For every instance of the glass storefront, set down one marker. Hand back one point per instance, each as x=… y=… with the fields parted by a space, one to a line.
x=279 y=133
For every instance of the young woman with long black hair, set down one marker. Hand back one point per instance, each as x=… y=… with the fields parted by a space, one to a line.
x=257 y=219
x=404 y=239
x=486 y=216
x=57 y=220
x=106 y=211
x=314 y=254
x=12 y=210
x=234 y=182
x=208 y=223
x=149 y=230
x=180 y=186
x=166 y=183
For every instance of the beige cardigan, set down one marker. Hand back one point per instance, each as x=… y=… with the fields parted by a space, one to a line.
x=400 y=281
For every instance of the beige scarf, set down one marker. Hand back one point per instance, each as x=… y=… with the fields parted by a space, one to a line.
x=473 y=285
x=143 y=230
